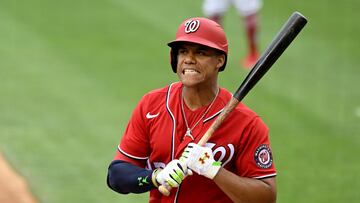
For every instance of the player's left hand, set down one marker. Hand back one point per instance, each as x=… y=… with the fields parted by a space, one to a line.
x=201 y=160
x=173 y=174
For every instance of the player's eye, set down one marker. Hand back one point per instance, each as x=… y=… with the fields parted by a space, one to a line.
x=202 y=52
x=182 y=51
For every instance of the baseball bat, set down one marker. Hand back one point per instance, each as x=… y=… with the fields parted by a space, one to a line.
x=282 y=40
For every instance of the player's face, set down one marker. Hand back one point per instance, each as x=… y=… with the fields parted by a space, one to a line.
x=198 y=64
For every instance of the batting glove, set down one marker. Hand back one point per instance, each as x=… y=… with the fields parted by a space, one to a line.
x=201 y=160
x=173 y=174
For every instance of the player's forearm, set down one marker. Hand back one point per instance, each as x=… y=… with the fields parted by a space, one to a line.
x=124 y=178
x=246 y=190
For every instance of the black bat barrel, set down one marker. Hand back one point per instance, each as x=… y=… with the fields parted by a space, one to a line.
x=282 y=40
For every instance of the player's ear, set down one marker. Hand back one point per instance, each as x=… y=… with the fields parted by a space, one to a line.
x=221 y=60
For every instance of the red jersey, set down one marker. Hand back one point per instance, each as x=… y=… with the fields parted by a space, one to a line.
x=155 y=135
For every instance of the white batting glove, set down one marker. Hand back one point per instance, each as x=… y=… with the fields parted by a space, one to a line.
x=201 y=160
x=173 y=173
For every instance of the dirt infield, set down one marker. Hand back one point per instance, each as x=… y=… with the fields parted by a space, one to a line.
x=13 y=188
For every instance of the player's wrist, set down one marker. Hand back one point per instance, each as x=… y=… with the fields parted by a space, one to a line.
x=213 y=170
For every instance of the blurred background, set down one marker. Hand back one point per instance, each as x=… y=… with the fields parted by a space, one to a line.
x=72 y=71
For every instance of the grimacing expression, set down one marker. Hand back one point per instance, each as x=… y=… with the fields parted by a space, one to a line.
x=198 y=63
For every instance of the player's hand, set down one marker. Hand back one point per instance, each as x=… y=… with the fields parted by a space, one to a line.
x=173 y=174
x=201 y=160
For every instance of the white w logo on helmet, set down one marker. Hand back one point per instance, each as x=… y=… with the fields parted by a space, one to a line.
x=192 y=26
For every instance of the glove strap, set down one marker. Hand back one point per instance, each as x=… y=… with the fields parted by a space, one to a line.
x=215 y=167
x=153 y=177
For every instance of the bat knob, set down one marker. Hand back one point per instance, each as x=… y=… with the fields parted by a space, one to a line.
x=164 y=190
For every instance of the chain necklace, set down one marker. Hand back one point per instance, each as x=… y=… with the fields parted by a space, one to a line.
x=188 y=129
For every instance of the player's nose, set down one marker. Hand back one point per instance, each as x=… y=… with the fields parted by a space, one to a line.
x=190 y=57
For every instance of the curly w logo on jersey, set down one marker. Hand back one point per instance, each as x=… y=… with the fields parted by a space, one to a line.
x=192 y=26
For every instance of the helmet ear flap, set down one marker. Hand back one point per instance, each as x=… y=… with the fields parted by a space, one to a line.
x=173 y=58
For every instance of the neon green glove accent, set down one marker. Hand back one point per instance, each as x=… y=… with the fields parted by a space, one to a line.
x=173 y=174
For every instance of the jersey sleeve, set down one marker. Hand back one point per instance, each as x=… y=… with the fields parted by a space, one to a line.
x=255 y=159
x=134 y=145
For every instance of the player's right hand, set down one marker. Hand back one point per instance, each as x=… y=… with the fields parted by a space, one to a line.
x=201 y=160
x=173 y=174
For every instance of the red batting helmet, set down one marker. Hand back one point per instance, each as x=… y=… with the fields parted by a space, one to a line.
x=200 y=31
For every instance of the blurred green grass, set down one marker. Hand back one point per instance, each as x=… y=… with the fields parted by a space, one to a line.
x=72 y=71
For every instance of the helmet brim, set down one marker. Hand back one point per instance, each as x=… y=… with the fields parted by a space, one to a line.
x=195 y=40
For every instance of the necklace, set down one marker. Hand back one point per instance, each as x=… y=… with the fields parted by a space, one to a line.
x=188 y=129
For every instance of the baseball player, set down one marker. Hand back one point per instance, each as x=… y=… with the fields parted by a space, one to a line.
x=159 y=144
x=248 y=10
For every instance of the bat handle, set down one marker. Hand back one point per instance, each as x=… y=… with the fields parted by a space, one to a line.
x=164 y=189
x=219 y=120
x=206 y=136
